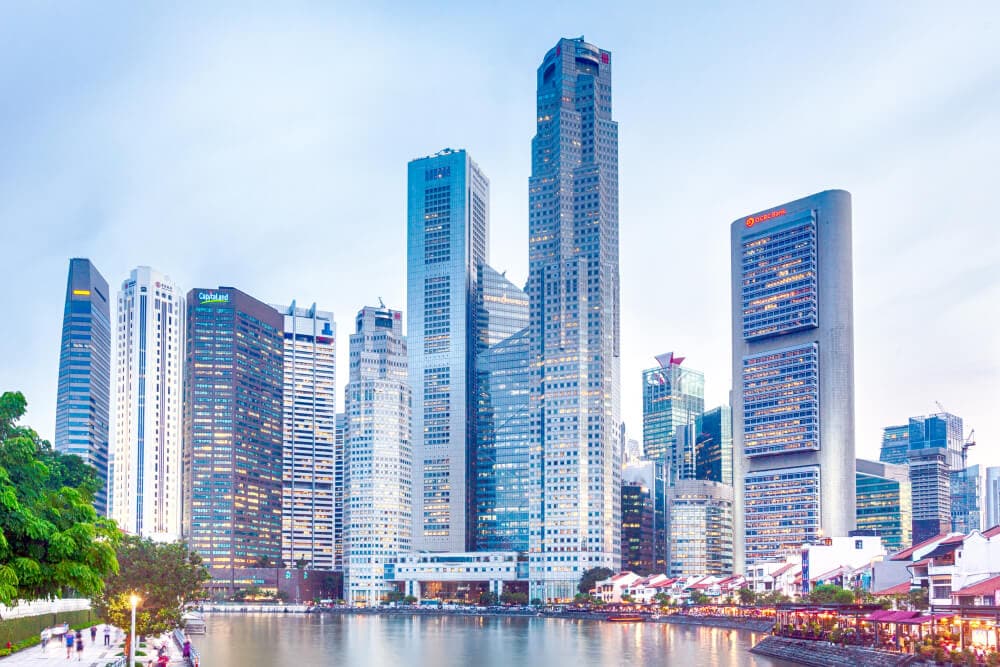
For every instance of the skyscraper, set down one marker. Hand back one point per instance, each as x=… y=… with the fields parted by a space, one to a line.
x=148 y=415
x=84 y=388
x=895 y=444
x=967 y=499
x=378 y=455
x=699 y=528
x=992 y=496
x=884 y=502
x=447 y=237
x=793 y=374
x=644 y=517
x=502 y=384
x=309 y=456
x=339 y=486
x=673 y=397
x=233 y=403
x=714 y=446
x=573 y=288
x=935 y=452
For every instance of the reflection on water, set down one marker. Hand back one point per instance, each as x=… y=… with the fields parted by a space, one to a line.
x=280 y=640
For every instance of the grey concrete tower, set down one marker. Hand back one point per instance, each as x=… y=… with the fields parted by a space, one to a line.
x=793 y=375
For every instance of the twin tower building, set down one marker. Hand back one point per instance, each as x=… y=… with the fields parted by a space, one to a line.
x=494 y=422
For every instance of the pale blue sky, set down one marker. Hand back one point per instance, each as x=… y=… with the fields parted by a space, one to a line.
x=266 y=148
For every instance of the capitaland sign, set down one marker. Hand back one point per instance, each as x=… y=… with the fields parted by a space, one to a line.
x=213 y=297
x=757 y=219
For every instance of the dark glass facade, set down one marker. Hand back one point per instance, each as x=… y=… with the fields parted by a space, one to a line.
x=233 y=390
x=895 y=444
x=884 y=505
x=84 y=390
x=637 y=529
x=714 y=446
x=673 y=397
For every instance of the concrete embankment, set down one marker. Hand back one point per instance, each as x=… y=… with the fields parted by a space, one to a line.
x=825 y=654
x=748 y=624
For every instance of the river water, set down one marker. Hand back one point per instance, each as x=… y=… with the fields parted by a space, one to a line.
x=297 y=640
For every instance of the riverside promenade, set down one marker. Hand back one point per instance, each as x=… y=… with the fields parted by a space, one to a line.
x=95 y=654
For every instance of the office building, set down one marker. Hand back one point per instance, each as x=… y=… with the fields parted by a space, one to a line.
x=714 y=445
x=699 y=528
x=233 y=439
x=447 y=240
x=793 y=375
x=146 y=479
x=84 y=389
x=967 y=486
x=992 y=496
x=884 y=503
x=935 y=452
x=309 y=455
x=502 y=386
x=644 y=517
x=673 y=397
x=573 y=289
x=895 y=444
x=339 y=488
x=379 y=458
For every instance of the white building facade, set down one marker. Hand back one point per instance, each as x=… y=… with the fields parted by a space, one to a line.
x=379 y=459
x=309 y=452
x=146 y=473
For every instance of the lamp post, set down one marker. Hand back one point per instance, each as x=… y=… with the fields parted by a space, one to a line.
x=134 y=600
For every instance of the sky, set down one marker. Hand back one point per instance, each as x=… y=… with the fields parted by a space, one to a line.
x=264 y=146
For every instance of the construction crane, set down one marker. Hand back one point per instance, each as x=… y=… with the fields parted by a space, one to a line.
x=940 y=407
x=970 y=441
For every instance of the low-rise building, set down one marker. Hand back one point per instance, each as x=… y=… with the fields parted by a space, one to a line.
x=458 y=575
x=612 y=588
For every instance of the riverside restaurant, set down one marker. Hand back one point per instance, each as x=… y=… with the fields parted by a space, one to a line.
x=938 y=634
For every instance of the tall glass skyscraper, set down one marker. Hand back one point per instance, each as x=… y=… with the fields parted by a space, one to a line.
x=884 y=502
x=84 y=390
x=935 y=453
x=793 y=374
x=501 y=452
x=644 y=517
x=379 y=464
x=310 y=424
x=714 y=447
x=700 y=528
x=447 y=241
x=146 y=479
x=573 y=287
x=967 y=499
x=673 y=397
x=233 y=440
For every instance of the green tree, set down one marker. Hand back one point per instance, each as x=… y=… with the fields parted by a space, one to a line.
x=513 y=597
x=747 y=596
x=487 y=598
x=662 y=599
x=395 y=595
x=697 y=597
x=830 y=593
x=164 y=576
x=591 y=577
x=51 y=538
x=918 y=598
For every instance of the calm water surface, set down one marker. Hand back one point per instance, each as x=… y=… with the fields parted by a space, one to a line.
x=280 y=640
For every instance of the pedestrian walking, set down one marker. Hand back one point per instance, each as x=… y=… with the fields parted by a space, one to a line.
x=93 y=634
x=68 y=640
x=186 y=652
x=45 y=637
x=79 y=646
x=107 y=635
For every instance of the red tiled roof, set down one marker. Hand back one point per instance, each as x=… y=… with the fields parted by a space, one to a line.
x=898 y=589
x=906 y=554
x=781 y=570
x=992 y=532
x=986 y=587
x=925 y=561
x=892 y=616
x=955 y=539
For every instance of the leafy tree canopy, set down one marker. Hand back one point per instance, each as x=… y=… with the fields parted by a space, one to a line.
x=164 y=576
x=591 y=577
x=829 y=593
x=50 y=536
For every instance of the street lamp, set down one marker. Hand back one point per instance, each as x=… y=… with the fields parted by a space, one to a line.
x=134 y=600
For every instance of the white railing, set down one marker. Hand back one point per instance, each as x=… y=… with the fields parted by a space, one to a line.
x=179 y=639
x=39 y=607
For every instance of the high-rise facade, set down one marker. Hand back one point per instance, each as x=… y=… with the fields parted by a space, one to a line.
x=793 y=374
x=339 y=488
x=502 y=385
x=967 y=486
x=644 y=517
x=714 y=445
x=574 y=337
x=379 y=457
x=895 y=444
x=992 y=496
x=884 y=502
x=308 y=506
x=673 y=397
x=935 y=452
x=233 y=439
x=146 y=478
x=84 y=389
x=447 y=241
x=699 y=528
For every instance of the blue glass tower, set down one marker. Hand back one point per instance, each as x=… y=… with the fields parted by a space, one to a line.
x=502 y=480
x=84 y=392
x=673 y=397
x=447 y=235
x=935 y=453
x=895 y=444
x=714 y=448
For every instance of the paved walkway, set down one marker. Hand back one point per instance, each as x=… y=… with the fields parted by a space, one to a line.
x=95 y=654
